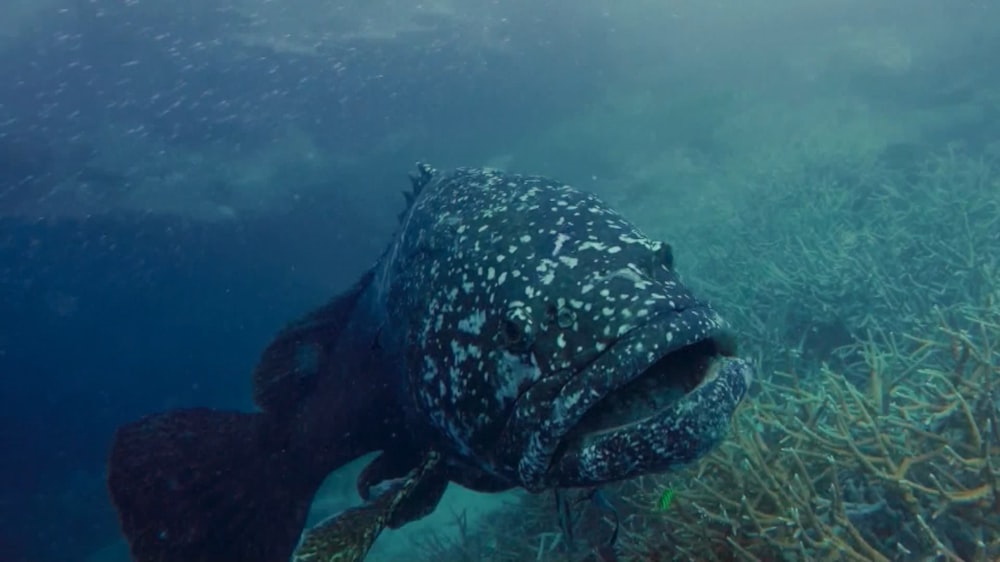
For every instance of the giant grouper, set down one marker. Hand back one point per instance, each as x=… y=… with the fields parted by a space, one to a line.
x=516 y=332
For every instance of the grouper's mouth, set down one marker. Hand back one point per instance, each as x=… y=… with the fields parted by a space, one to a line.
x=657 y=388
x=643 y=406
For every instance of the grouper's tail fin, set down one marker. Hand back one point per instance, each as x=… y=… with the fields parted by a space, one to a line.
x=203 y=485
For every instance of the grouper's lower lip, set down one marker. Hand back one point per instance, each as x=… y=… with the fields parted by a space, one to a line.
x=681 y=431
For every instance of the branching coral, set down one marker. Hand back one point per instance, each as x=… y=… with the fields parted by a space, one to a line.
x=819 y=469
x=813 y=260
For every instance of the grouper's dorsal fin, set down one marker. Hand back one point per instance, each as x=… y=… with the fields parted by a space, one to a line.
x=418 y=181
x=349 y=535
x=289 y=366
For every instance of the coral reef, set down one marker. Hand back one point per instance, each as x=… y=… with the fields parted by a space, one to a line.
x=820 y=469
x=871 y=302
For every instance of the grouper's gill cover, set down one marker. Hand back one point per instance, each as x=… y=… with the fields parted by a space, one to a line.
x=524 y=302
x=516 y=332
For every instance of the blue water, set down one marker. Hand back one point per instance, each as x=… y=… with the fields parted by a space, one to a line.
x=125 y=290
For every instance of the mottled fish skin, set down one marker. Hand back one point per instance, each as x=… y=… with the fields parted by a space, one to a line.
x=515 y=333
x=513 y=304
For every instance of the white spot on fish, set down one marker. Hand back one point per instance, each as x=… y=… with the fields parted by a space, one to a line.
x=512 y=373
x=560 y=240
x=569 y=261
x=473 y=324
x=638 y=240
x=430 y=369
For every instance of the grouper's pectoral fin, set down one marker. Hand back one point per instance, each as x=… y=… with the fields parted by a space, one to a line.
x=349 y=535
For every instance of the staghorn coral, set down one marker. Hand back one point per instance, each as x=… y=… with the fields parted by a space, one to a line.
x=818 y=469
x=812 y=259
x=863 y=444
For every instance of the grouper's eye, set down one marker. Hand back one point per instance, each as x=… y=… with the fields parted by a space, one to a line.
x=565 y=317
x=512 y=334
x=663 y=256
x=516 y=331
